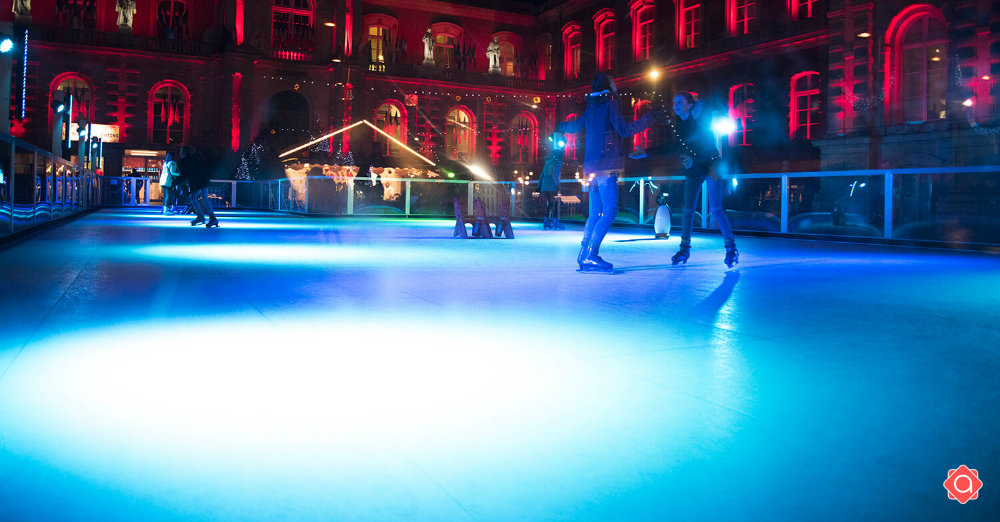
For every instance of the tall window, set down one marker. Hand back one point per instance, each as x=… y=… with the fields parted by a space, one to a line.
x=571 y=140
x=643 y=13
x=444 y=51
x=923 y=82
x=801 y=9
x=643 y=139
x=460 y=134
x=292 y=29
x=740 y=15
x=804 y=110
x=916 y=65
x=83 y=95
x=741 y=98
x=524 y=139
x=507 y=58
x=171 y=19
x=390 y=118
x=571 y=50
x=604 y=27
x=376 y=39
x=688 y=23
x=169 y=111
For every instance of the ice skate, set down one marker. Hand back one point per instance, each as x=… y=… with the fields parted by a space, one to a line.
x=732 y=255
x=682 y=255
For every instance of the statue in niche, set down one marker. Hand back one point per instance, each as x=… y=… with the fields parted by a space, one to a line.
x=22 y=7
x=428 y=48
x=493 y=55
x=126 y=9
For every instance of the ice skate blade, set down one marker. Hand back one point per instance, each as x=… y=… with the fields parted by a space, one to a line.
x=595 y=271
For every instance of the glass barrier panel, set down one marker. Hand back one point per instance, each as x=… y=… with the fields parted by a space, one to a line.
x=6 y=180
x=836 y=205
x=961 y=208
x=328 y=195
x=220 y=193
x=113 y=190
x=434 y=198
x=30 y=205
x=673 y=197
x=250 y=194
x=573 y=201
x=493 y=195
x=752 y=203
x=628 y=202
x=371 y=197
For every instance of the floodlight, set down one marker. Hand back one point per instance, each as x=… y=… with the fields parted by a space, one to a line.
x=722 y=126
x=6 y=44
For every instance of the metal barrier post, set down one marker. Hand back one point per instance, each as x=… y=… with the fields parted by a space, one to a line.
x=887 y=221
x=13 y=191
x=34 y=200
x=350 y=197
x=784 y=204
x=642 y=201
x=469 y=199
x=406 y=194
x=305 y=196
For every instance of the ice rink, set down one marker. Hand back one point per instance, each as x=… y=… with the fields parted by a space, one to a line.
x=302 y=368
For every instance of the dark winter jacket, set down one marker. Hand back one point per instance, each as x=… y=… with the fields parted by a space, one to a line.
x=605 y=128
x=194 y=171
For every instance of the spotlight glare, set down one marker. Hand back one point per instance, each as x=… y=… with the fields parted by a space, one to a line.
x=6 y=45
x=969 y=102
x=654 y=74
x=722 y=126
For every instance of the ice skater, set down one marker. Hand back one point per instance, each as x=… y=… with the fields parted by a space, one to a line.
x=700 y=157
x=602 y=161
x=548 y=183
x=194 y=171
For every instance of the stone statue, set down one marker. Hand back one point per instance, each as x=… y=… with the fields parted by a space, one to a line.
x=428 y=48
x=493 y=55
x=125 y=8
x=22 y=7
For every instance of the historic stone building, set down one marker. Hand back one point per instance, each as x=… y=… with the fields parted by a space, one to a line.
x=810 y=84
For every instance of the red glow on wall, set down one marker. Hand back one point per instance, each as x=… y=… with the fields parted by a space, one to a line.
x=239 y=23
x=237 y=100
x=348 y=30
x=345 y=143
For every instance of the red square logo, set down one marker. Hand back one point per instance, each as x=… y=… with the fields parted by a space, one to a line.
x=963 y=484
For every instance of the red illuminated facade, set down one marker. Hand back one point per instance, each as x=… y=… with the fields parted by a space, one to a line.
x=810 y=84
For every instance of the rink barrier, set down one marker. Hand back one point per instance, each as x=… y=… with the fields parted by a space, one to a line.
x=959 y=205
x=38 y=188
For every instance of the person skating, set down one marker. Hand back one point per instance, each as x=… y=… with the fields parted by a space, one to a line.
x=700 y=157
x=197 y=176
x=602 y=161
x=548 y=183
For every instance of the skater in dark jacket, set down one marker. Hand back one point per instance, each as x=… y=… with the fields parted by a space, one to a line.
x=700 y=158
x=602 y=161
x=194 y=171
x=548 y=183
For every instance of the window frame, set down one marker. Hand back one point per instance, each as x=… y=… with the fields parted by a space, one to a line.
x=452 y=150
x=810 y=94
x=689 y=32
x=643 y=15
x=572 y=41
x=185 y=120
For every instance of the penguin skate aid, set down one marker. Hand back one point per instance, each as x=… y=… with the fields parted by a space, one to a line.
x=603 y=161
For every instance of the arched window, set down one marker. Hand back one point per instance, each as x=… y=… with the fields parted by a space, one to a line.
x=571 y=50
x=169 y=113
x=510 y=45
x=83 y=95
x=171 y=19
x=460 y=134
x=688 y=23
x=445 y=36
x=918 y=52
x=804 y=106
x=643 y=13
x=741 y=99
x=801 y=9
x=379 y=39
x=391 y=118
x=571 y=139
x=604 y=28
x=544 y=47
x=740 y=15
x=524 y=139
x=643 y=138
x=292 y=29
